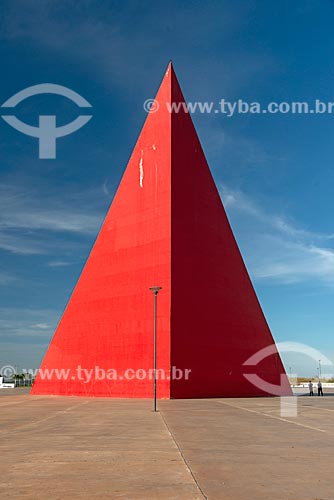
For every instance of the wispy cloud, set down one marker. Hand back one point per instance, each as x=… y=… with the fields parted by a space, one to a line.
x=6 y=278
x=58 y=263
x=239 y=202
x=28 y=325
x=20 y=209
x=105 y=189
x=102 y=37
x=276 y=249
x=29 y=218
x=41 y=326
x=25 y=334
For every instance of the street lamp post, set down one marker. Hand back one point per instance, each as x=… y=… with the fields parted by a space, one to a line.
x=155 y=290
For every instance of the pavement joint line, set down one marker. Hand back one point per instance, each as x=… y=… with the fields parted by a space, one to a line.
x=308 y=407
x=317 y=408
x=182 y=455
x=276 y=418
x=14 y=403
x=29 y=424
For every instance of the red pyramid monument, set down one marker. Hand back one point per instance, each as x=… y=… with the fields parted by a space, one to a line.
x=166 y=226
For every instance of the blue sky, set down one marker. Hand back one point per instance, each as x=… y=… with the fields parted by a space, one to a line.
x=274 y=172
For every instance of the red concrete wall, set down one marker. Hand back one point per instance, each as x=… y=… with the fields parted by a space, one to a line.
x=216 y=319
x=109 y=319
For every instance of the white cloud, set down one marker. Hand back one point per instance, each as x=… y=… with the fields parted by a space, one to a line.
x=28 y=324
x=58 y=263
x=20 y=209
x=274 y=248
x=31 y=221
x=41 y=326
x=102 y=41
x=7 y=279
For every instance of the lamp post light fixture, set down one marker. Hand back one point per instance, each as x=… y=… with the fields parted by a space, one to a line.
x=155 y=290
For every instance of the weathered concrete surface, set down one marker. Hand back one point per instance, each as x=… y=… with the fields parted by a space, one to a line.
x=236 y=449
x=77 y=448
x=242 y=448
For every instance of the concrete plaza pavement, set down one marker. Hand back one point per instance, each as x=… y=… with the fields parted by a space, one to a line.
x=95 y=448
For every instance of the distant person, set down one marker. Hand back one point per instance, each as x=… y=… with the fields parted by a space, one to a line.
x=310 y=386
x=320 y=392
